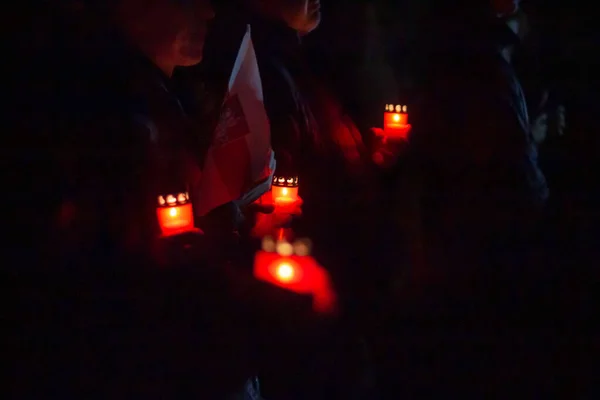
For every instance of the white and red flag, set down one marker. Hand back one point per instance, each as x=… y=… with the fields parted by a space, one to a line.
x=240 y=161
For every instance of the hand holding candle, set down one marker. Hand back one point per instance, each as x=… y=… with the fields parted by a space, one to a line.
x=269 y=223
x=291 y=267
x=385 y=153
x=286 y=205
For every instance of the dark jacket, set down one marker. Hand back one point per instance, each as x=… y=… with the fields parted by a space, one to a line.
x=473 y=153
x=294 y=129
x=311 y=134
x=313 y=137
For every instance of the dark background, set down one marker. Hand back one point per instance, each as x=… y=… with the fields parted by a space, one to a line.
x=371 y=52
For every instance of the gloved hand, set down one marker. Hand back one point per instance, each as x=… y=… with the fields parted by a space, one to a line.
x=269 y=218
x=386 y=153
x=229 y=219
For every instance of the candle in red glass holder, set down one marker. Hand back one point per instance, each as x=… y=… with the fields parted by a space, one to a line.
x=175 y=215
x=284 y=191
x=291 y=267
x=395 y=122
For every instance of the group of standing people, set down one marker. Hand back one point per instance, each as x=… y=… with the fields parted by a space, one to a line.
x=129 y=314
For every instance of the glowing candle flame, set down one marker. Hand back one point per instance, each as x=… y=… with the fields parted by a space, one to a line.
x=285 y=272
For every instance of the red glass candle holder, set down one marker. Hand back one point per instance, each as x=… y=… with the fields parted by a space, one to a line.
x=395 y=122
x=284 y=195
x=291 y=267
x=175 y=214
x=284 y=192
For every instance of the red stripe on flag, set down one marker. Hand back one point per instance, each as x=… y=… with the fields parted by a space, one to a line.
x=233 y=161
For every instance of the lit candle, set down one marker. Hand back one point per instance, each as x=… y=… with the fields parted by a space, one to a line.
x=291 y=267
x=286 y=203
x=395 y=122
x=284 y=191
x=175 y=215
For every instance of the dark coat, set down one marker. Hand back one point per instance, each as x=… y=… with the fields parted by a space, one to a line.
x=473 y=153
x=311 y=134
x=106 y=308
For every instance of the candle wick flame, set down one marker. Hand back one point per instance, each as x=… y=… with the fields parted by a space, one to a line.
x=285 y=272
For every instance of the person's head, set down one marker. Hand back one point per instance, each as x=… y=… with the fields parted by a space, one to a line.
x=170 y=32
x=303 y=16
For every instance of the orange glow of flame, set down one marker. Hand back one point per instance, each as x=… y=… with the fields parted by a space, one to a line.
x=175 y=220
x=299 y=274
x=285 y=272
x=391 y=120
x=283 y=196
x=395 y=125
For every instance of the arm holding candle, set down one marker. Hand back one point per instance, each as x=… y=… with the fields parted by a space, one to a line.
x=385 y=153
x=261 y=187
x=285 y=202
x=292 y=267
x=238 y=212
x=267 y=223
